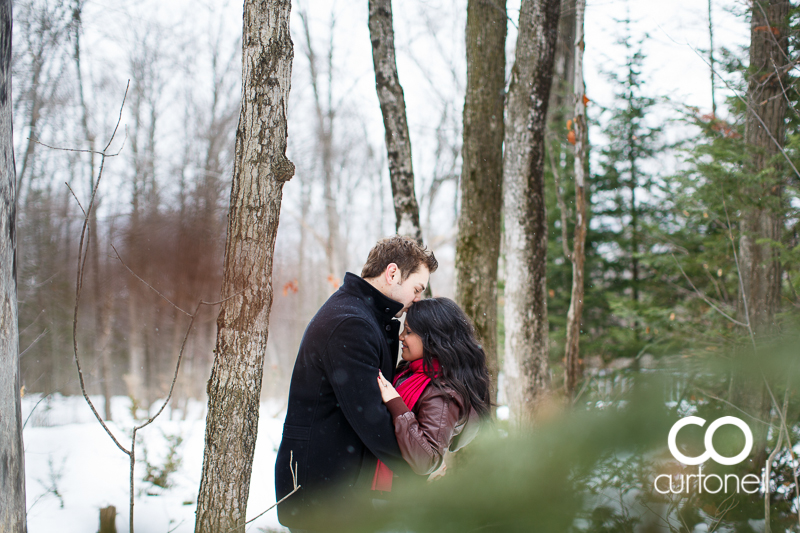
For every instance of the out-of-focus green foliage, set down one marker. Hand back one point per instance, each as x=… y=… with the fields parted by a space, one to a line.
x=591 y=468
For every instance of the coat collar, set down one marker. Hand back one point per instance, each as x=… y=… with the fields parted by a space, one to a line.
x=384 y=307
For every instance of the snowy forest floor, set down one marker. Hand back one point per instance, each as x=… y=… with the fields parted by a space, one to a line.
x=73 y=469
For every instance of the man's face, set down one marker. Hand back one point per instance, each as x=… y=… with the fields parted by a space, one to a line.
x=409 y=290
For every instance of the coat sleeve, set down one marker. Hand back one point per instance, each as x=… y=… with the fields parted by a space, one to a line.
x=351 y=362
x=425 y=437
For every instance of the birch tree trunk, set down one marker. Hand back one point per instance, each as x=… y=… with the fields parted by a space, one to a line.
x=478 y=244
x=12 y=459
x=260 y=170
x=393 y=109
x=572 y=348
x=526 y=328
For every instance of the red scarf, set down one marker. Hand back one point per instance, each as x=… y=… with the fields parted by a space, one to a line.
x=410 y=390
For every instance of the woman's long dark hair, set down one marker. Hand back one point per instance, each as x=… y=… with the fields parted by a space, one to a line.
x=448 y=335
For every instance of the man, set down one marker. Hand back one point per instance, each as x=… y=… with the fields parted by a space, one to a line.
x=336 y=425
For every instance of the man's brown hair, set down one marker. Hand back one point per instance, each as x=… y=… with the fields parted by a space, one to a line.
x=404 y=252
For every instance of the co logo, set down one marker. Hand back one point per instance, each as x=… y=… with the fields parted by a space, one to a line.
x=710 y=452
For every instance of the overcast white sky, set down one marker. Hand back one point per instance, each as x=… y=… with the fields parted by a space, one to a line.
x=677 y=28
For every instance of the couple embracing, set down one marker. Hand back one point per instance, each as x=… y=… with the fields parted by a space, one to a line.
x=359 y=422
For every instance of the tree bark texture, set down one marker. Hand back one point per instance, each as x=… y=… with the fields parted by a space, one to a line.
x=478 y=243
x=759 y=262
x=260 y=170
x=572 y=346
x=526 y=328
x=12 y=458
x=393 y=109
x=765 y=132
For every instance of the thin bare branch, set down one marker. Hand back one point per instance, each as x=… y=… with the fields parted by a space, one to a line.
x=739 y=273
x=730 y=404
x=76 y=198
x=78 y=287
x=37 y=339
x=789 y=104
x=272 y=506
x=119 y=119
x=771 y=458
x=293 y=470
x=720 y=516
x=78 y=150
x=163 y=297
x=234 y=295
x=177 y=368
x=746 y=103
x=784 y=431
x=703 y=296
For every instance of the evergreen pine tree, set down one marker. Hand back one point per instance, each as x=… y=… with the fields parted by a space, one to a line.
x=626 y=204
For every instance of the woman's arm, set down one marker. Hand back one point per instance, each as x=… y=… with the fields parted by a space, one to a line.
x=423 y=438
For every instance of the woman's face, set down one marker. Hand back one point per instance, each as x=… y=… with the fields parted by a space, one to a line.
x=411 y=344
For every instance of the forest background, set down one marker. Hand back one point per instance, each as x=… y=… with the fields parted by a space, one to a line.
x=668 y=185
x=166 y=194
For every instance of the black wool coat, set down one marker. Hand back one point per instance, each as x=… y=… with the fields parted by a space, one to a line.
x=336 y=425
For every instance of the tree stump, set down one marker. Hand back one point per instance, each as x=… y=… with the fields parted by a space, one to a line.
x=108 y=519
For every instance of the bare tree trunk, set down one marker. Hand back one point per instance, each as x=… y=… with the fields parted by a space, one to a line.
x=104 y=346
x=761 y=222
x=12 y=458
x=711 y=62
x=526 y=339
x=478 y=244
x=101 y=317
x=260 y=170
x=36 y=104
x=134 y=379
x=563 y=66
x=393 y=109
x=325 y=113
x=765 y=132
x=578 y=256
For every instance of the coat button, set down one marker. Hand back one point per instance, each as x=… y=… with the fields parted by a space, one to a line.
x=387 y=310
x=388 y=327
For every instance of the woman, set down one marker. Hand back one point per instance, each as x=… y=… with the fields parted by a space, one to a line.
x=442 y=387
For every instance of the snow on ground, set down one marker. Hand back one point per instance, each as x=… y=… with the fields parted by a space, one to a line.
x=73 y=468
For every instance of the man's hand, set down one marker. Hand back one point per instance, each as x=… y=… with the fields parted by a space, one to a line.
x=387 y=391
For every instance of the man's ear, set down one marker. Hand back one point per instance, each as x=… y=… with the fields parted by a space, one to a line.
x=392 y=274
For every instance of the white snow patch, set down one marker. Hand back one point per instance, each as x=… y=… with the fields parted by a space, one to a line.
x=68 y=452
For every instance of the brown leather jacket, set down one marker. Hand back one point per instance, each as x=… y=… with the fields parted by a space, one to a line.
x=438 y=421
